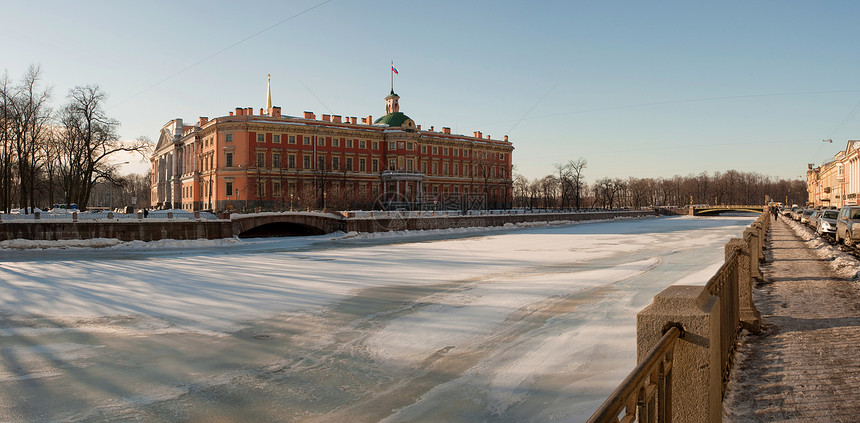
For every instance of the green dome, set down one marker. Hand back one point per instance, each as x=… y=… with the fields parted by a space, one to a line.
x=394 y=120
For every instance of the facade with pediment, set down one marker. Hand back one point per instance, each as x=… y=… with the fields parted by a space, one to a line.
x=270 y=161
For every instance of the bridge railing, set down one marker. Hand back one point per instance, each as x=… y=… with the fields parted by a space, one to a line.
x=682 y=376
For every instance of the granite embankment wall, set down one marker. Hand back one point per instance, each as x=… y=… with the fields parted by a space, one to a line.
x=156 y=229
x=145 y=230
x=395 y=223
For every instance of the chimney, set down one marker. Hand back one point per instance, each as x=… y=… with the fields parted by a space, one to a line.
x=353 y=120
x=240 y=112
x=488 y=137
x=275 y=112
x=231 y=113
x=446 y=130
x=336 y=119
x=506 y=138
x=203 y=120
x=431 y=128
x=364 y=121
x=326 y=118
x=369 y=120
x=261 y=111
x=419 y=127
x=249 y=111
x=479 y=134
x=310 y=115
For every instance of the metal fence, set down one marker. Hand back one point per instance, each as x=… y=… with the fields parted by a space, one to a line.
x=105 y=216
x=646 y=393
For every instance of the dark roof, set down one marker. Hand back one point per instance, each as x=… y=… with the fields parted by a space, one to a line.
x=393 y=119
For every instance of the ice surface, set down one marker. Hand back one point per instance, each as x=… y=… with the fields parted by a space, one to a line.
x=505 y=324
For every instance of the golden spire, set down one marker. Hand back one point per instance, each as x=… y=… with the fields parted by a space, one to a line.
x=269 y=95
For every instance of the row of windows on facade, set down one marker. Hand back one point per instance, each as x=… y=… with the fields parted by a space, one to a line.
x=392 y=145
x=187 y=191
x=362 y=165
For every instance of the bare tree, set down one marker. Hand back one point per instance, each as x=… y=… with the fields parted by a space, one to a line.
x=29 y=115
x=89 y=143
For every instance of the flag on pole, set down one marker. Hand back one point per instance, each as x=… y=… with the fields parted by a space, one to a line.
x=393 y=69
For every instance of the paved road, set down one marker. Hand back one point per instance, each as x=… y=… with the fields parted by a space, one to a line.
x=805 y=365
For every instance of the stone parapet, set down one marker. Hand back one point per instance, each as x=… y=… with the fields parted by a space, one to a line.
x=696 y=373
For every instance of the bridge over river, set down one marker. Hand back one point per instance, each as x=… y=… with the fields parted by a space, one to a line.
x=706 y=210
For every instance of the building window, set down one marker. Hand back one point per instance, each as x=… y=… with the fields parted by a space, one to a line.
x=423 y=149
x=276 y=189
x=445 y=151
x=374 y=145
x=456 y=152
x=261 y=159
x=335 y=163
x=501 y=156
x=423 y=167
x=435 y=150
x=306 y=163
x=229 y=137
x=435 y=168
x=465 y=153
x=291 y=139
x=306 y=140
x=361 y=165
x=261 y=188
x=374 y=165
x=229 y=189
x=276 y=138
x=392 y=145
x=321 y=163
x=348 y=143
x=335 y=142
x=229 y=161
x=261 y=138
x=409 y=165
x=276 y=160
x=361 y=144
x=391 y=164
x=291 y=161
x=321 y=141
x=349 y=164
x=409 y=146
x=445 y=169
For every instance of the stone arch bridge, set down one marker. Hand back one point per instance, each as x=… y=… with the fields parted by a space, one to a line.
x=281 y=224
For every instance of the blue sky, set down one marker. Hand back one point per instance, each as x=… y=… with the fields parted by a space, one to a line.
x=644 y=89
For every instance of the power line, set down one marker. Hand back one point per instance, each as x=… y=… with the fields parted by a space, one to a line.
x=662 y=103
x=222 y=50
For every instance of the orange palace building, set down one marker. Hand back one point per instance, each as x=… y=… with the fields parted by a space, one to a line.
x=270 y=161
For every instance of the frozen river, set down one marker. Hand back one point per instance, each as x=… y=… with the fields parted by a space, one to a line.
x=505 y=325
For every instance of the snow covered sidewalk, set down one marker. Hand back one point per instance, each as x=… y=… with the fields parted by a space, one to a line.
x=805 y=365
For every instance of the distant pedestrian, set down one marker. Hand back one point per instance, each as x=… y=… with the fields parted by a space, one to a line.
x=145 y=212
x=774 y=210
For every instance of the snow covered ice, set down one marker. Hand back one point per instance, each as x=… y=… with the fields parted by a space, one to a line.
x=501 y=324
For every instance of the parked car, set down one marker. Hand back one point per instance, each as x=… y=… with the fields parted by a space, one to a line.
x=827 y=222
x=804 y=217
x=812 y=220
x=796 y=212
x=848 y=217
